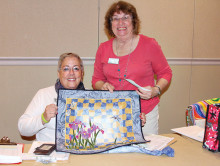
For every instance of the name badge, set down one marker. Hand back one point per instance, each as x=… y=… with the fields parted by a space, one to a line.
x=113 y=60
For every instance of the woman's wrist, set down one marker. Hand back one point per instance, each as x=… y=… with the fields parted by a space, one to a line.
x=159 y=89
x=99 y=85
x=156 y=91
x=43 y=119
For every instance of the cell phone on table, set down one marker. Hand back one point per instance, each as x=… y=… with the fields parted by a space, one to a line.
x=45 y=149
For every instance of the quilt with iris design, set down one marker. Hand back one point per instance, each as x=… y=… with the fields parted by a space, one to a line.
x=96 y=121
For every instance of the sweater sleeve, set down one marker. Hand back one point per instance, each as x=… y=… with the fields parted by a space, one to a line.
x=30 y=122
x=98 y=74
x=159 y=63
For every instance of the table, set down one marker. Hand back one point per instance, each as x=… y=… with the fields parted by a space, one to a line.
x=187 y=152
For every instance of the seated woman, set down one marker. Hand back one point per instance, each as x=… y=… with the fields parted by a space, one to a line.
x=40 y=116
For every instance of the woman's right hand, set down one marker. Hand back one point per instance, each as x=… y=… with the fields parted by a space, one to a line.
x=50 y=112
x=108 y=86
x=143 y=119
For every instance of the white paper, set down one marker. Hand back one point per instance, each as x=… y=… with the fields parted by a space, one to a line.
x=135 y=84
x=157 y=142
x=200 y=123
x=194 y=132
x=11 y=154
x=55 y=155
x=27 y=156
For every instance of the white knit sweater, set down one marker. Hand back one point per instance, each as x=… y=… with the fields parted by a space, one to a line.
x=30 y=122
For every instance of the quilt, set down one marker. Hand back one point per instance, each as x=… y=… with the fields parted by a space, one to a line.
x=96 y=121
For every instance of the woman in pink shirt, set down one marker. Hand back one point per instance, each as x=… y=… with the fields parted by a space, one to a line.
x=130 y=55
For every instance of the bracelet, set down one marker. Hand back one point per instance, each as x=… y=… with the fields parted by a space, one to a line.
x=44 y=120
x=158 y=89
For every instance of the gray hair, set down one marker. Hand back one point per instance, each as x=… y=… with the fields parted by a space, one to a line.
x=63 y=56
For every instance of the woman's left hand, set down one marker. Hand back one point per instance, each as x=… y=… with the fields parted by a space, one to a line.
x=145 y=94
x=153 y=91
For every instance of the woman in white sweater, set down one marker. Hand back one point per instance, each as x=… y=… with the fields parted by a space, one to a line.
x=40 y=116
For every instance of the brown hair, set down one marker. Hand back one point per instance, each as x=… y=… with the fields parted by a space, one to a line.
x=125 y=7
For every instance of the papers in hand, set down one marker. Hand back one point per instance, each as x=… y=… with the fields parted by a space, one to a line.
x=135 y=84
x=194 y=132
x=157 y=142
x=11 y=154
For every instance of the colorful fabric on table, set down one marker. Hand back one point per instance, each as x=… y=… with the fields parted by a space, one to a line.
x=136 y=149
x=212 y=128
x=198 y=110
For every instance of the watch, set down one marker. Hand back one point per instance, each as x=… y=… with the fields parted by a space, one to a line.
x=158 y=89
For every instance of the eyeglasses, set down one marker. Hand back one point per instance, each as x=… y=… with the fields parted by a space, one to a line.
x=124 y=18
x=68 y=69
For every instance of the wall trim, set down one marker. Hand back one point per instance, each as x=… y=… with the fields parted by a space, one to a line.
x=193 y=61
x=52 y=61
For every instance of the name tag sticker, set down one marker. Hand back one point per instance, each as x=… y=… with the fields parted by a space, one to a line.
x=113 y=60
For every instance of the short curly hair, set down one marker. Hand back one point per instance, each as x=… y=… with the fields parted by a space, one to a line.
x=125 y=7
x=63 y=56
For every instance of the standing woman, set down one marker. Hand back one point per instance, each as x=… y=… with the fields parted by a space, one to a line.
x=130 y=55
x=39 y=117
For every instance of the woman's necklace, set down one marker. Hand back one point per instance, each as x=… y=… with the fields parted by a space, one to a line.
x=121 y=80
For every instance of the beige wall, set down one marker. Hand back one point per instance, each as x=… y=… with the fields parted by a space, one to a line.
x=185 y=29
